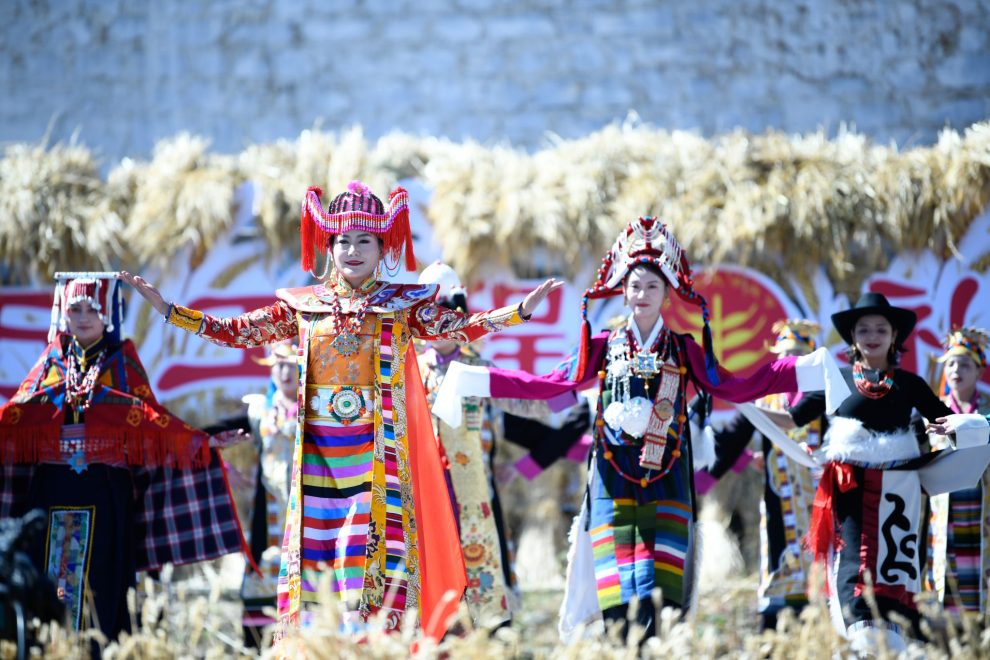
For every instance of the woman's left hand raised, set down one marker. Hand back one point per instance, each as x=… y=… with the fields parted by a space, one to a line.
x=536 y=296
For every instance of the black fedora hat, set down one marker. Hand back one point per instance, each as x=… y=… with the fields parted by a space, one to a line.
x=902 y=320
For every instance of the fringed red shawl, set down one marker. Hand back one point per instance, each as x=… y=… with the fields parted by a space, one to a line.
x=124 y=423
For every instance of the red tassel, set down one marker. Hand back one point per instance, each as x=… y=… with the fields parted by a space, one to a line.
x=410 y=255
x=583 y=349
x=307 y=230
x=306 y=239
x=821 y=537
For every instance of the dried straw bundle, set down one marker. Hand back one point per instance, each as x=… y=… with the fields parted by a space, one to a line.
x=183 y=198
x=782 y=204
x=55 y=212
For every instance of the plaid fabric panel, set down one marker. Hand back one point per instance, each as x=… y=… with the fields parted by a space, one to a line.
x=187 y=516
x=14 y=483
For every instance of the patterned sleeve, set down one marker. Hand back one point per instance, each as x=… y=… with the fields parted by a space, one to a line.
x=427 y=320
x=267 y=325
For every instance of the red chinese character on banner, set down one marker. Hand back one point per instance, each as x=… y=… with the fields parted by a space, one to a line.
x=525 y=350
x=504 y=295
x=183 y=375
x=529 y=344
x=960 y=313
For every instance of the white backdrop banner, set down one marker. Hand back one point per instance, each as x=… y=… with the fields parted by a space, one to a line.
x=202 y=381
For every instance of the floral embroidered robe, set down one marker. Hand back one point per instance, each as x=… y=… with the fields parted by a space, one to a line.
x=468 y=450
x=352 y=505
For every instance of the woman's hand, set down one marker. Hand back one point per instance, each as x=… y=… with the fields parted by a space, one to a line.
x=148 y=290
x=941 y=426
x=536 y=296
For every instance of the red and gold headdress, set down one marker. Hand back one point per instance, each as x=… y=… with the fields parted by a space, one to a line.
x=100 y=290
x=649 y=241
x=967 y=341
x=794 y=333
x=357 y=208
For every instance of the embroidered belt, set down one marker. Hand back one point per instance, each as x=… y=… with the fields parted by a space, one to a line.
x=344 y=404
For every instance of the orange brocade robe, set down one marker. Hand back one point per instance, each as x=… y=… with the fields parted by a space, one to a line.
x=368 y=501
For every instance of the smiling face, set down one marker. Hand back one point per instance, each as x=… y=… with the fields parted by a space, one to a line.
x=873 y=336
x=644 y=293
x=84 y=322
x=962 y=373
x=356 y=255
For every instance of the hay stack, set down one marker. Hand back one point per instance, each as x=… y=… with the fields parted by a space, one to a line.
x=183 y=198
x=778 y=203
x=55 y=213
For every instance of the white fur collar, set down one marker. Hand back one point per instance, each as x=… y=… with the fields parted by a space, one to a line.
x=847 y=440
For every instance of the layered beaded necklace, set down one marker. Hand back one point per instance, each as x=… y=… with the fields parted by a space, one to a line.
x=869 y=389
x=79 y=386
x=645 y=364
x=347 y=326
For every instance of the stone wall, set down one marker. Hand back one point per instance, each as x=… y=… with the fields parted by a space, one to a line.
x=125 y=74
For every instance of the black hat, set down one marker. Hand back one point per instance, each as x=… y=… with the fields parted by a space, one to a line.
x=901 y=319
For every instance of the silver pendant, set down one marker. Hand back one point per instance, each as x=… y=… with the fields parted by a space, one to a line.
x=346 y=343
x=647 y=364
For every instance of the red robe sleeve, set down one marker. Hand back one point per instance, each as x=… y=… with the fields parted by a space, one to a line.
x=266 y=325
x=773 y=377
x=429 y=320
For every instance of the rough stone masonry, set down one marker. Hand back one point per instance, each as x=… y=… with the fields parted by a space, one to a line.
x=125 y=74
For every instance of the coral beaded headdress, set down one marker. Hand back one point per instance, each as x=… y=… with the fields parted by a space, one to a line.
x=357 y=208
x=794 y=334
x=100 y=290
x=967 y=341
x=649 y=241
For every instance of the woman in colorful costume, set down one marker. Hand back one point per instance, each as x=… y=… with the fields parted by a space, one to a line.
x=959 y=532
x=367 y=495
x=868 y=504
x=637 y=531
x=126 y=485
x=469 y=453
x=789 y=487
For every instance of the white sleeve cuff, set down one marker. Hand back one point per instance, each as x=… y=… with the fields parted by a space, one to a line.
x=971 y=430
x=461 y=380
x=818 y=371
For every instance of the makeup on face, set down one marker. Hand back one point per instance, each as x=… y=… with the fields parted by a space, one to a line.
x=873 y=335
x=356 y=255
x=645 y=292
x=84 y=322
